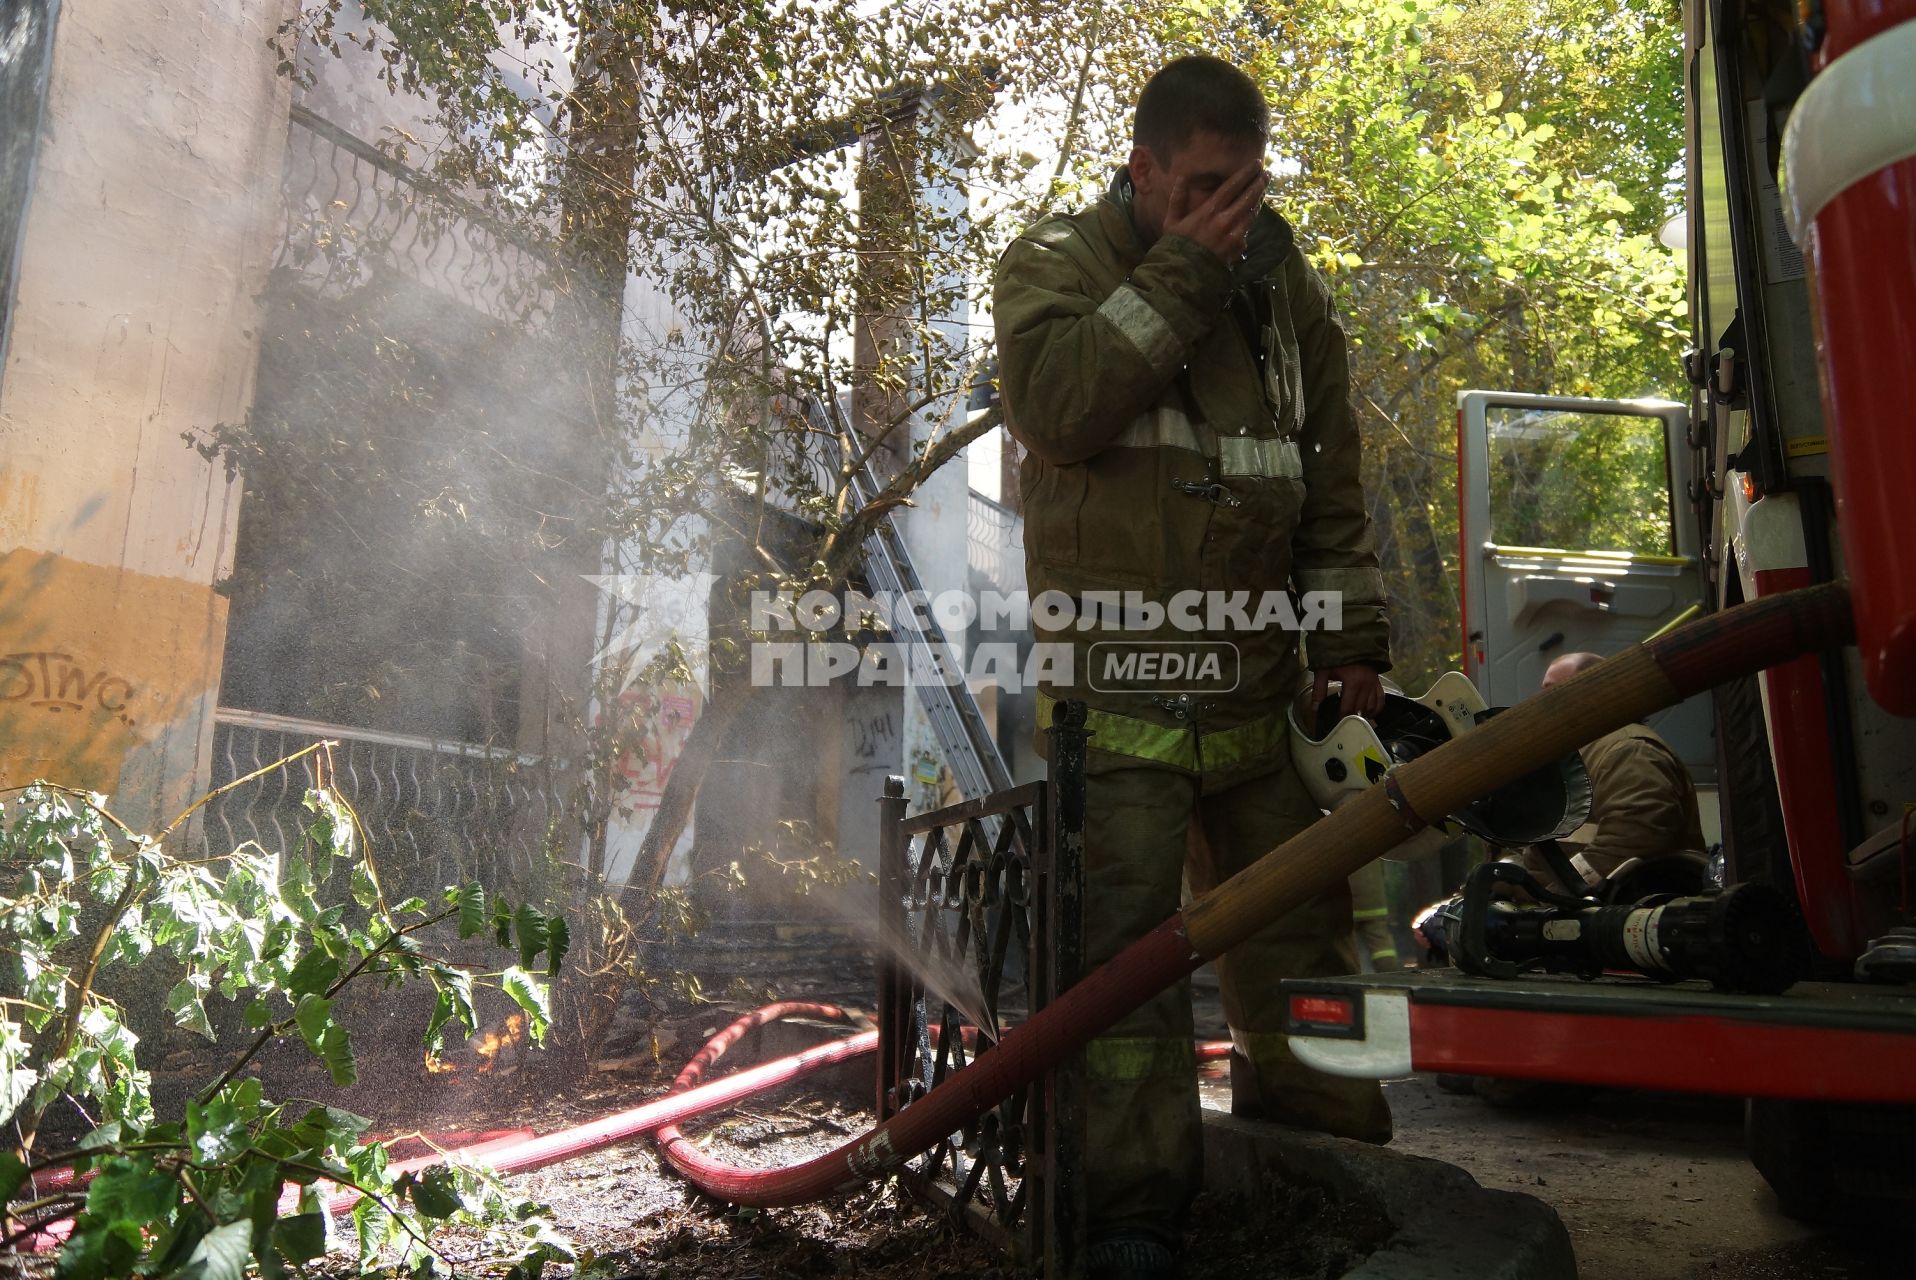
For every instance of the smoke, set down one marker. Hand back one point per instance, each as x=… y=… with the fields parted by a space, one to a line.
x=937 y=970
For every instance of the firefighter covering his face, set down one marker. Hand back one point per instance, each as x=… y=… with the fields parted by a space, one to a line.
x=1177 y=376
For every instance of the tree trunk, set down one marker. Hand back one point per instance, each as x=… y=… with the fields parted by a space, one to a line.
x=681 y=793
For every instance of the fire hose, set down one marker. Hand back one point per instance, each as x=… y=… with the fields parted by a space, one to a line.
x=1625 y=688
x=519 y=1151
x=690 y=1097
x=693 y=1164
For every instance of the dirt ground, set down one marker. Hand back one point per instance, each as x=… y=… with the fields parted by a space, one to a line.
x=631 y=1218
x=1650 y=1188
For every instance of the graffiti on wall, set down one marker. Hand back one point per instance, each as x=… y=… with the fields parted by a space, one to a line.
x=657 y=722
x=874 y=742
x=98 y=668
x=59 y=682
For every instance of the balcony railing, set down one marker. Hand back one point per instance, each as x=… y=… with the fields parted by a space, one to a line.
x=997 y=537
x=435 y=813
x=354 y=215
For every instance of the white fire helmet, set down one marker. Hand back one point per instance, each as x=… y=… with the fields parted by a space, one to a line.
x=1338 y=757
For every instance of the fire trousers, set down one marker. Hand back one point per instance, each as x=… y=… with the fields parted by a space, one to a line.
x=1143 y=1140
x=1370 y=903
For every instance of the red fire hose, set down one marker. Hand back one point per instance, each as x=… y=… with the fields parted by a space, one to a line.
x=517 y=1150
x=689 y=1098
x=623 y=1126
x=1625 y=688
x=695 y=1165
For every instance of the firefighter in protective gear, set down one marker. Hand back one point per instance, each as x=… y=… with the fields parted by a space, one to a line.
x=1642 y=799
x=1178 y=378
x=1370 y=913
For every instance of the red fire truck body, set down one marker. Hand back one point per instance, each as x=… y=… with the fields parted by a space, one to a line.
x=1787 y=467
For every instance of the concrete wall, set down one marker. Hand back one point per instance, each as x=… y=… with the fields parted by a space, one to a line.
x=935 y=526
x=146 y=243
x=872 y=747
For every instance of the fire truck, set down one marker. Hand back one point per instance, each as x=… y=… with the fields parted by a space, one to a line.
x=1786 y=467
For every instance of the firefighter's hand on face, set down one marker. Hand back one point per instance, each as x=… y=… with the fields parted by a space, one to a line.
x=1363 y=689
x=1221 y=219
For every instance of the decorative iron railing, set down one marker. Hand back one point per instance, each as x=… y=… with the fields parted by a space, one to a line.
x=354 y=214
x=997 y=545
x=982 y=919
x=434 y=812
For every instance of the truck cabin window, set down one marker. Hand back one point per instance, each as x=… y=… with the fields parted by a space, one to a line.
x=1579 y=481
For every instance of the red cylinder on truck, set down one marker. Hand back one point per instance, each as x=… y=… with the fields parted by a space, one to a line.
x=1849 y=158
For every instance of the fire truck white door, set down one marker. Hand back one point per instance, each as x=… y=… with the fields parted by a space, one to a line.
x=1571 y=542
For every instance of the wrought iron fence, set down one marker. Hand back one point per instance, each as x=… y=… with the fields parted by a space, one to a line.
x=435 y=812
x=354 y=214
x=981 y=908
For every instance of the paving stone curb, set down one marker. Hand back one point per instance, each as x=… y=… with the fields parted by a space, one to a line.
x=1447 y=1226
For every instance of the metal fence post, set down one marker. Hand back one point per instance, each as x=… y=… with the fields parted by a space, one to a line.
x=894 y=987
x=1060 y=1222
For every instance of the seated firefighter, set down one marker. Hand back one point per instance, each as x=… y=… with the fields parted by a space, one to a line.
x=1642 y=802
x=1177 y=374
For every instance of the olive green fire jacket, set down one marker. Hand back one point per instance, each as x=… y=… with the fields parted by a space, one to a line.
x=1187 y=428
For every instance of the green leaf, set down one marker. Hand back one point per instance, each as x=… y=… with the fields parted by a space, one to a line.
x=472 y=909
x=215 y=1130
x=221 y=1254
x=442 y=1013
x=365 y=892
x=187 y=1008
x=332 y=827
x=336 y=1047
x=107 y=1135
x=99 y=1252
x=16 y=1077
x=13 y=1172
x=327 y=1038
x=128 y=1192
x=313 y=1014
x=315 y=972
x=502 y=921
x=435 y=1194
x=458 y=988
x=530 y=925
x=529 y=994
x=247 y=1095
x=300 y=1238
x=558 y=942
x=329 y=1127
x=374 y=1226
x=167 y=1254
